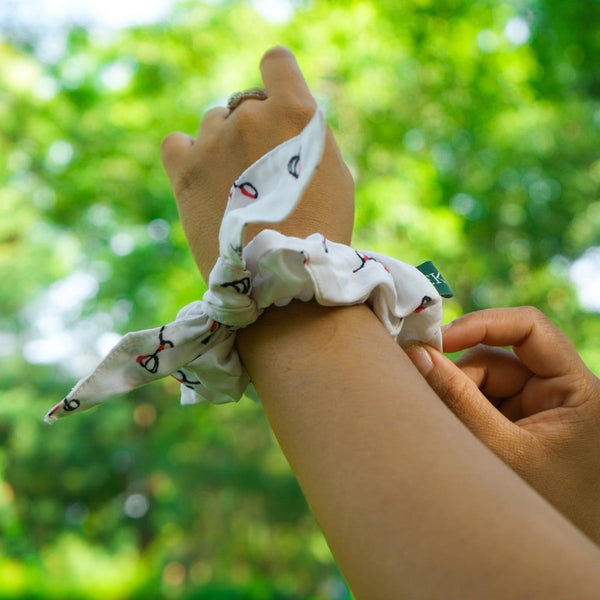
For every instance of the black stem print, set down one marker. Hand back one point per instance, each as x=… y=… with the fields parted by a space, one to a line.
x=294 y=166
x=183 y=379
x=241 y=286
x=150 y=362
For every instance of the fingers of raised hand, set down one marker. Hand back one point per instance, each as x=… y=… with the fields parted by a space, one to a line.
x=212 y=122
x=282 y=76
x=173 y=148
x=253 y=126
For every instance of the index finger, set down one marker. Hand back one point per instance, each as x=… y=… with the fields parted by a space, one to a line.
x=540 y=345
x=281 y=74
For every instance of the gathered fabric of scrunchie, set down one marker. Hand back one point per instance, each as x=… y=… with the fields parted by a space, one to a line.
x=198 y=348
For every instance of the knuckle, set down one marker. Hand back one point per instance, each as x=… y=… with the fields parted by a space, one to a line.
x=166 y=142
x=296 y=113
x=254 y=126
x=247 y=120
x=250 y=134
x=472 y=355
x=532 y=313
x=245 y=114
x=168 y=145
x=455 y=387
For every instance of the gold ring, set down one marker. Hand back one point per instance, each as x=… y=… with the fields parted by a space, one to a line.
x=254 y=94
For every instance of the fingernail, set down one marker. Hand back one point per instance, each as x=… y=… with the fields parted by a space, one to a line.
x=419 y=357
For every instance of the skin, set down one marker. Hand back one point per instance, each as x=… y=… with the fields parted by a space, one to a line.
x=536 y=406
x=202 y=169
x=412 y=504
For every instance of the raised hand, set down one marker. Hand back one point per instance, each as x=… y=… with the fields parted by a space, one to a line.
x=202 y=169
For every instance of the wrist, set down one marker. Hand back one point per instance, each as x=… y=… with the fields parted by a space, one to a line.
x=279 y=326
x=294 y=354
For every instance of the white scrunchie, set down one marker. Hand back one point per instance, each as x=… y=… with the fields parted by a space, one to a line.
x=198 y=348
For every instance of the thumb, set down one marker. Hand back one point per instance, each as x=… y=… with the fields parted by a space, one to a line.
x=462 y=396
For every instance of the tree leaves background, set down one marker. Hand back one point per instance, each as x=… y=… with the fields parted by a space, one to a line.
x=472 y=130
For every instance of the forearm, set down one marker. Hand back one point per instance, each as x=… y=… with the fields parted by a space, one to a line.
x=411 y=503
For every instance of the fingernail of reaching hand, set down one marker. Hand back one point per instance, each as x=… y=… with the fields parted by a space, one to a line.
x=419 y=357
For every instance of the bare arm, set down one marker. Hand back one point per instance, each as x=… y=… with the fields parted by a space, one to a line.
x=411 y=503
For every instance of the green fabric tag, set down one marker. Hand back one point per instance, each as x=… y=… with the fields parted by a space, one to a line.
x=437 y=279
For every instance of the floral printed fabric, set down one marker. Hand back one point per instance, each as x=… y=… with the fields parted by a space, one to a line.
x=198 y=348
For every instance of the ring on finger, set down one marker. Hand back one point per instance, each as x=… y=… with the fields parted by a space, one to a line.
x=252 y=94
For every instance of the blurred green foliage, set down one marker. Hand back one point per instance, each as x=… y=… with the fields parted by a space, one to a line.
x=473 y=133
